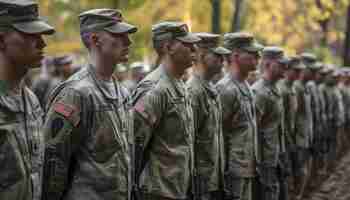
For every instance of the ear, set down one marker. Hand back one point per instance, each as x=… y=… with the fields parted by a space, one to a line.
x=94 y=39
x=169 y=47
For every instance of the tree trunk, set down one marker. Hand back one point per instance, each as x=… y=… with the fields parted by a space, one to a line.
x=347 y=40
x=236 y=19
x=216 y=13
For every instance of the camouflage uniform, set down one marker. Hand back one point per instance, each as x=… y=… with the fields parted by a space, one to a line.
x=164 y=127
x=88 y=129
x=271 y=134
x=206 y=106
x=239 y=125
x=21 y=140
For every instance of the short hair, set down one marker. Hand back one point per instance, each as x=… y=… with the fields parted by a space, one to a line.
x=85 y=38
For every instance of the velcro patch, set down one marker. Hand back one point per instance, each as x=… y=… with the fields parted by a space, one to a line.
x=63 y=109
x=140 y=108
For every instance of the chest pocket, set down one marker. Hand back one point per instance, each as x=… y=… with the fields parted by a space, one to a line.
x=108 y=132
x=178 y=119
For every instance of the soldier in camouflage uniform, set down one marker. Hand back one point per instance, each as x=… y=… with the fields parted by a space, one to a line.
x=88 y=126
x=21 y=140
x=239 y=116
x=270 y=120
x=164 y=127
x=346 y=94
x=304 y=130
x=291 y=105
x=340 y=111
x=206 y=106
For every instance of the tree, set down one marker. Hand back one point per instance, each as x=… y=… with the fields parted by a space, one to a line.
x=346 y=60
x=236 y=19
x=216 y=15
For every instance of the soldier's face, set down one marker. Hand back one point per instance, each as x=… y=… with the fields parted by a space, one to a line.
x=114 y=46
x=182 y=53
x=214 y=63
x=291 y=74
x=247 y=60
x=24 y=50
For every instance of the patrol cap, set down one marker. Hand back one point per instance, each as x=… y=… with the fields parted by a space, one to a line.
x=326 y=70
x=273 y=52
x=295 y=63
x=317 y=66
x=23 y=16
x=63 y=60
x=106 y=19
x=308 y=58
x=241 y=40
x=211 y=41
x=121 y=68
x=168 y=30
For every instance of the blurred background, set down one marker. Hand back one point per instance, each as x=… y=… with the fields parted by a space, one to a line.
x=318 y=26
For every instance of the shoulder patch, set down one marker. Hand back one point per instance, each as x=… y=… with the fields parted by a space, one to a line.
x=64 y=109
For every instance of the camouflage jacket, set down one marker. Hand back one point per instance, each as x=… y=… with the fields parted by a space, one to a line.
x=345 y=91
x=88 y=129
x=270 y=120
x=164 y=128
x=21 y=146
x=209 y=147
x=316 y=110
x=290 y=105
x=239 y=126
x=304 y=124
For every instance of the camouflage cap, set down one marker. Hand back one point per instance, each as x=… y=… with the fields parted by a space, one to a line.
x=295 y=63
x=326 y=70
x=241 y=40
x=121 y=68
x=211 y=41
x=23 y=16
x=308 y=58
x=168 y=30
x=63 y=60
x=273 y=52
x=110 y=20
x=316 y=66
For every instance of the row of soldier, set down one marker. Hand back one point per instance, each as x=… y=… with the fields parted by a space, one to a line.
x=168 y=139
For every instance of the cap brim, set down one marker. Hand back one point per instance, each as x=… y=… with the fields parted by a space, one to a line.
x=255 y=47
x=121 y=27
x=189 y=38
x=221 y=51
x=34 y=27
x=283 y=60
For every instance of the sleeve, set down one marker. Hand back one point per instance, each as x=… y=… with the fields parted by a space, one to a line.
x=199 y=111
x=61 y=130
x=147 y=115
x=228 y=104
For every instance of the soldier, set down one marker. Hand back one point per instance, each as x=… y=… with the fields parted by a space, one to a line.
x=239 y=116
x=21 y=141
x=208 y=149
x=88 y=127
x=338 y=75
x=346 y=92
x=137 y=72
x=304 y=129
x=59 y=69
x=291 y=105
x=164 y=127
x=270 y=118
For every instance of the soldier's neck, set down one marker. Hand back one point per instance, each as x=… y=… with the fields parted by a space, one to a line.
x=172 y=69
x=200 y=71
x=104 y=67
x=237 y=73
x=10 y=77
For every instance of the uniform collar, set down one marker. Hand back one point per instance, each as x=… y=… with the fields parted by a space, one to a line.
x=102 y=86
x=271 y=86
x=243 y=86
x=205 y=85
x=178 y=84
